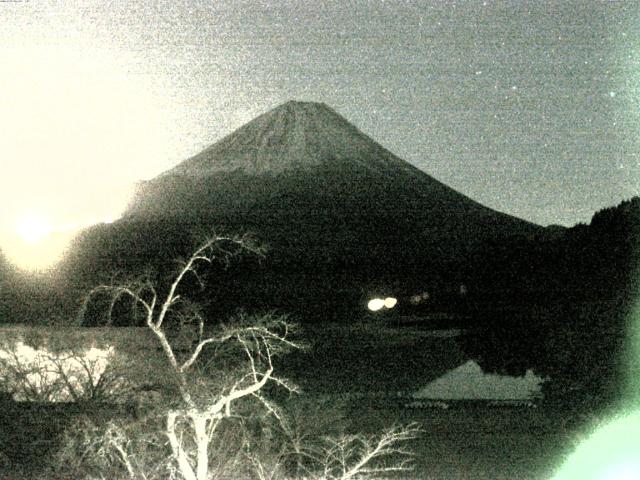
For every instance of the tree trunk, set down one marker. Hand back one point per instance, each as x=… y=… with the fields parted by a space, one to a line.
x=202 y=443
x=176 y=448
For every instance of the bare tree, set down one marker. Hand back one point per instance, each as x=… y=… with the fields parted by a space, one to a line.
x=346 y=456
x=350 y=457
x=191 y=422
x=72 y=375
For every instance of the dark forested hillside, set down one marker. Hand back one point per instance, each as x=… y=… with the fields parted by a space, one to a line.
x=562 y=305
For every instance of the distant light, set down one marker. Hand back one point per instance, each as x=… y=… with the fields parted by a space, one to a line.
x=419 y=298
x=375 y=304
x=390 y=302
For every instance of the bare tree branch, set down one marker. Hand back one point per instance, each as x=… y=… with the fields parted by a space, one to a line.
x=198 y=349
x=353 y=456
x=205 y=254
x=199 y=417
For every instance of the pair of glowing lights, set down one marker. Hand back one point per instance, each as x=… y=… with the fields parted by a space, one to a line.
x=376 y=304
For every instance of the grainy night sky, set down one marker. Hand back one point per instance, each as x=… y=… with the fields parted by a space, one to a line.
x=531 y=108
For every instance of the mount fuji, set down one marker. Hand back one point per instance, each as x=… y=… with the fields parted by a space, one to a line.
x=318 y=189
x=342 y=217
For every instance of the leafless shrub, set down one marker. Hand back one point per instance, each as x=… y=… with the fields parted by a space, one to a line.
x=366 y=456
x=43 y=376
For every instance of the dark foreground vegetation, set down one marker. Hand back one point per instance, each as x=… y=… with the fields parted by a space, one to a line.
x=40 y=442
x=349 y=393
x=225 y=412
x=560 y=303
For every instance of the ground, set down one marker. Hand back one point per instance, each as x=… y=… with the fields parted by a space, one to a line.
x=456 y=444
x=373 y=363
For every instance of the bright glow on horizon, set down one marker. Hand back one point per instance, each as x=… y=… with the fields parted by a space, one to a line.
x=35 y=244
x=33 y=228
x=80 y=130
x=35 y=248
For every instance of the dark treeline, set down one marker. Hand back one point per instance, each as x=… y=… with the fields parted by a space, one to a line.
x=562 y=305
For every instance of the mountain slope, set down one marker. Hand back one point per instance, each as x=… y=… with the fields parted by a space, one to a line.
x=342 y=216
x=305 y=179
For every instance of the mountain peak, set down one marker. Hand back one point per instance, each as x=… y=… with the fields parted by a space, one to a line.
x=294 y=135
x=301 y=105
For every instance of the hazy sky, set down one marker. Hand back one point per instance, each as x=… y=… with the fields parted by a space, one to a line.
x=531 y=108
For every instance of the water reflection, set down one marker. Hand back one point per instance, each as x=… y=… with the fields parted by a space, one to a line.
x=469 y=382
